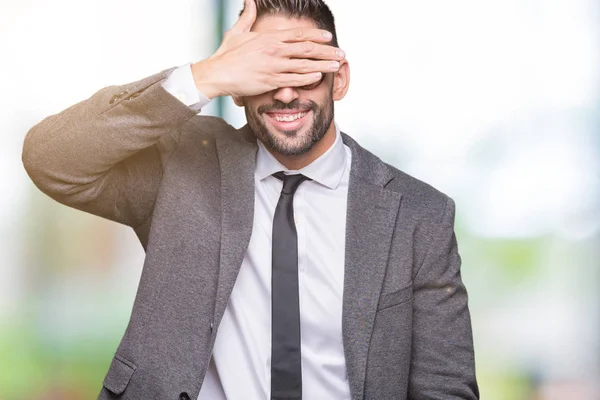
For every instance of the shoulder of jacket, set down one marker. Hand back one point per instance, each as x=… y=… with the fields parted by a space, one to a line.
x=418 y=195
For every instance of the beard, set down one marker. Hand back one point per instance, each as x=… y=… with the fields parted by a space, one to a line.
x=294 y=142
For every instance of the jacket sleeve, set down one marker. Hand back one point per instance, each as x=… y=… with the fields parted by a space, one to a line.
x=105 y=155
x=442 y=363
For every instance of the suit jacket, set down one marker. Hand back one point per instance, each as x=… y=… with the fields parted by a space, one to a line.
x=136 y=155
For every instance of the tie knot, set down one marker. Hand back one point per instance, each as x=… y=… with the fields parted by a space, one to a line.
x=290 y=182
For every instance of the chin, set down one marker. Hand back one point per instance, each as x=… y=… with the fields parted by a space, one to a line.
x=289 y=143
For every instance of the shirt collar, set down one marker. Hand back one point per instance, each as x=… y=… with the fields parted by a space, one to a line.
x=326 y=170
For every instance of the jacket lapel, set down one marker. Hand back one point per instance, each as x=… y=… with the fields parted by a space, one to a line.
x=370 y=223
x=237 y=160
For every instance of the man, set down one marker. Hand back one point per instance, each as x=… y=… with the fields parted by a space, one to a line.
x=283 y=260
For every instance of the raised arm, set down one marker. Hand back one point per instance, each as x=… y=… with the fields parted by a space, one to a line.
x=105 y=155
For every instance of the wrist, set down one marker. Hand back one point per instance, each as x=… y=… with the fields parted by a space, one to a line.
x=204 y=79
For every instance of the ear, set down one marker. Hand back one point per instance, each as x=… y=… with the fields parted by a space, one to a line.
x=341 y=81
x=239 y=101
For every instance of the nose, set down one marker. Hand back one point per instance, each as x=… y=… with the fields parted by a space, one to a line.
x=286 y=95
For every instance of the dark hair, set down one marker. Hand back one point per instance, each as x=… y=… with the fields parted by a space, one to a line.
x=315 y=10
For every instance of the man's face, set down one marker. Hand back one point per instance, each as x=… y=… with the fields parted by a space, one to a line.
x=290 y=120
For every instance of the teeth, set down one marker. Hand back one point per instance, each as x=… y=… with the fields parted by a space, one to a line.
x=289 y=118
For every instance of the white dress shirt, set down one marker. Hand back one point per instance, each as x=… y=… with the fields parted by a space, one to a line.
x=240 y=367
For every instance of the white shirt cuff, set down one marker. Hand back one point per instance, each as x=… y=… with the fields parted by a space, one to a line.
x=180 y=83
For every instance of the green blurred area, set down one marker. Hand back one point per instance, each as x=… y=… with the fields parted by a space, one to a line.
x=72 y=371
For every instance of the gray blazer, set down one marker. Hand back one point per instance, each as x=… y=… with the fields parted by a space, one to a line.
x=136 y=155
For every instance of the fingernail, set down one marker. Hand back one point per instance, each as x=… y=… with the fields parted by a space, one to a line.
x=340 y=53
x=328 y=35
x=334 y=65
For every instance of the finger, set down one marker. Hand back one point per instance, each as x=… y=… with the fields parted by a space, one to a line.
x=247 y=19
x=305 y=66
x=312 y=50
x=303 y=35
x=296 y=80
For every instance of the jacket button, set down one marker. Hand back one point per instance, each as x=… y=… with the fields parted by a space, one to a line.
x=184 y=396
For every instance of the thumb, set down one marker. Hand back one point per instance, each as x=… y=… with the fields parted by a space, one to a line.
x=247 y=19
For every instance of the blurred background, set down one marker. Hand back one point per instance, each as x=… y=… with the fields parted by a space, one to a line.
x=494 y=102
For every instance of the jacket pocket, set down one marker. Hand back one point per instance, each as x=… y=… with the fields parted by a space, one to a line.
x=393 y=298
x=119 y=374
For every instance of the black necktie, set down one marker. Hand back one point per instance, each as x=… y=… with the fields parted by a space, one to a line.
x=286 y=373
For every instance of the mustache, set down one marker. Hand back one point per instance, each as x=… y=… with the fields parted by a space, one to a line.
x=294 y=105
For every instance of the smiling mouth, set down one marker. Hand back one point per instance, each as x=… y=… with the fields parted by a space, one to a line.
x=287 y=120
x=287 y=117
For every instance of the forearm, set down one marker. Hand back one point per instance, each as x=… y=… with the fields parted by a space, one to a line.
x=103 y=154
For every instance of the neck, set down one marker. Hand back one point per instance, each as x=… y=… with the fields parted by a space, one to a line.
x=302 y=160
